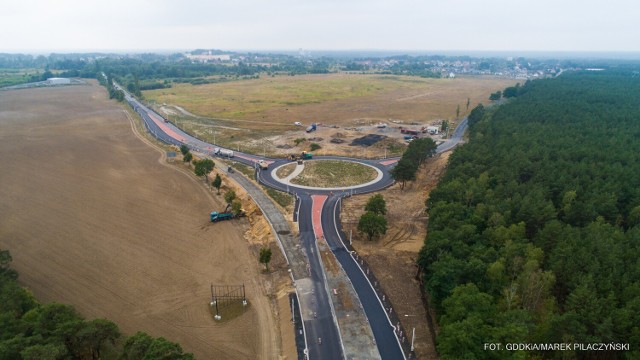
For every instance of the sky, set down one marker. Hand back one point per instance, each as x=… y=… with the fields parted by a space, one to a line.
x=474 y=25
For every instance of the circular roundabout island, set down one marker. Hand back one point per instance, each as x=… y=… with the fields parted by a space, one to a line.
x=327 y=174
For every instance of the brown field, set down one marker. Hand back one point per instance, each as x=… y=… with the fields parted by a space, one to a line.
x=258 y=110
x=94 y=217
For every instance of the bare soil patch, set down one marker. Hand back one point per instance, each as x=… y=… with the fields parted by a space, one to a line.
x=258 y=115
x=94 y=219
x=393 y=256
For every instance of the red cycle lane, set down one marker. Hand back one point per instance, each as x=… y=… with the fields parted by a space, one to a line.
x=167 y=130
x=388 y=162
x=316 y=212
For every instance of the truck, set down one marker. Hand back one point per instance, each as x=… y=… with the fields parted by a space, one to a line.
x=225 y=152
x=263 y=165
x=226 y=214
x=216 y=216
x=408 y=131
x=312 y=127
x=433 y=130
x=303 y=156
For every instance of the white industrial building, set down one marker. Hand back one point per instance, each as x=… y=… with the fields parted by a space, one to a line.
x=58 y=81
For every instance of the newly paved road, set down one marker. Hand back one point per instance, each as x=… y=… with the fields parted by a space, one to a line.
x=318 y=315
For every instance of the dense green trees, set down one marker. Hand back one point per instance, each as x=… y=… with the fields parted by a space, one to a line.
x=142 y=346
x=32 y=331
x=511 y=91
x=533 y=230
x=415 y=155
x=372 y=224
x=404 y=171
x=376 y=204
x=203 y=168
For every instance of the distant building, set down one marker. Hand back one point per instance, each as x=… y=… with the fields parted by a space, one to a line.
x=58 y=81
x=452 y=75
x=208 y=57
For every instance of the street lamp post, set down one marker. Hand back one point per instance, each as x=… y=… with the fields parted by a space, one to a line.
x=413 y=338
x=413 y=335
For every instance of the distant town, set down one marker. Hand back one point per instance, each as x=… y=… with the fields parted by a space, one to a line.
x=198 y=66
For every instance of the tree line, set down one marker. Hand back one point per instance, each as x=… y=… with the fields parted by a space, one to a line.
x=534 y=230
x=417 y=153
x=30 y=330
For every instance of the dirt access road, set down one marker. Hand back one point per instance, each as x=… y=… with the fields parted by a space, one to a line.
x=93 y=218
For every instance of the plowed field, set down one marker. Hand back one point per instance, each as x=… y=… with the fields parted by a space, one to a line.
x=94 y=217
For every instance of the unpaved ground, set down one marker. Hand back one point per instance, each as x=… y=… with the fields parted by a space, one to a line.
x=93 y=218
x=393 y=256
x=258 y=115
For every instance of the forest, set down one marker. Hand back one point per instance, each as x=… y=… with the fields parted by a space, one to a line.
x=30 y=330
x=534 y=230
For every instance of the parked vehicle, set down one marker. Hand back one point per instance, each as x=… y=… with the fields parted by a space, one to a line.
x=297 y=123
x=216 y=216
x=312 y=127
x=433 y=130
x=408 y=131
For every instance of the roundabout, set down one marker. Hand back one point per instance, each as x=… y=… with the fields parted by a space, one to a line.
x=316 y=174
x=317 y=215
x=279 y=177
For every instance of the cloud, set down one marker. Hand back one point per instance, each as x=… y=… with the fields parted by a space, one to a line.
x=319 y=24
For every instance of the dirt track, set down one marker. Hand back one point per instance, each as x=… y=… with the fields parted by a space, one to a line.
x=93 y=219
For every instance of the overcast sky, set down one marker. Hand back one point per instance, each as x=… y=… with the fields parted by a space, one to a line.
x=535 y=25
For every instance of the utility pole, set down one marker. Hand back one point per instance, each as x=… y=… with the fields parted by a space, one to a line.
x=350 y=237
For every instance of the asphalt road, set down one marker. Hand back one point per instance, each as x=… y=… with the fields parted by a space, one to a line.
x=318 y=317
x=383 y=331
x=321 y=325
x=322 y=335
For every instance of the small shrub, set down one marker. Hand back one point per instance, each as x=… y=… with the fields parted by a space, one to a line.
x=315 y=147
